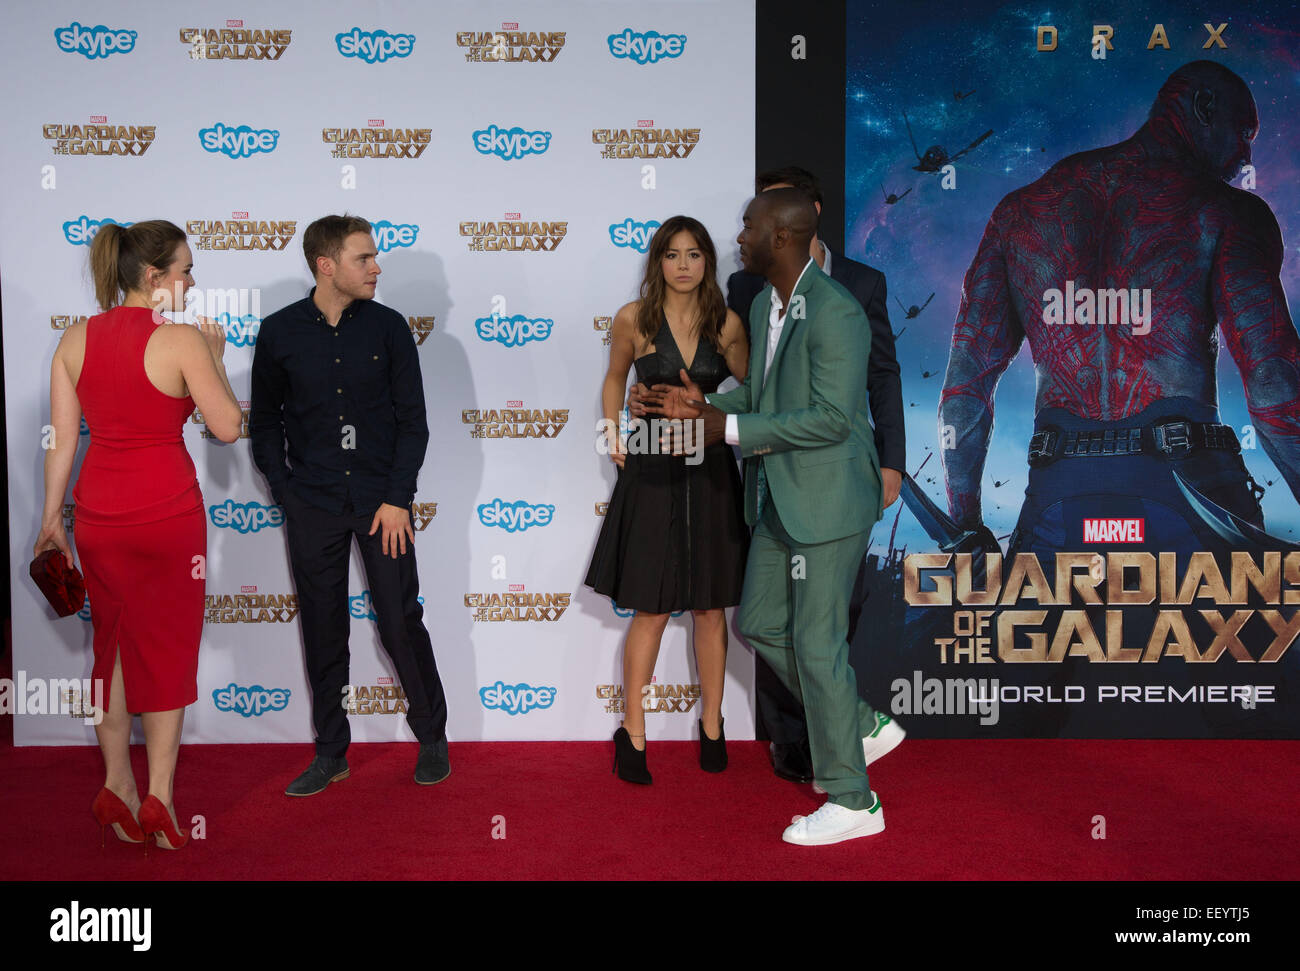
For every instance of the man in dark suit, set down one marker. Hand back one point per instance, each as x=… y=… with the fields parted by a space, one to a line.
x=779 y=713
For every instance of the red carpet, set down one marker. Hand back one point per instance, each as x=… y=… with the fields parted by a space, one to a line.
x=955 y=810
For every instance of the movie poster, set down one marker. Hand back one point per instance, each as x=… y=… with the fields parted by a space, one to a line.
x=1088 y=220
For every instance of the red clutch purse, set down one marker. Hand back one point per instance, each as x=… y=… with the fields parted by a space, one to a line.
x=62 y=584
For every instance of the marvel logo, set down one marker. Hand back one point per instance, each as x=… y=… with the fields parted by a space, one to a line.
x=375 y=123
x=234 y=23
x=514 y=404
x=509 y=25
x=646 y=123
x=383 y=680
x=1114 y=530
x=516 y=588
x=239 y=214
x=248 y=588
x=98 y=119
x=512 y=215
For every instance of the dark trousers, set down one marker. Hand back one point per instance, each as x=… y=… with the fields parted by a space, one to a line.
x=320 y=544
x=780 y=716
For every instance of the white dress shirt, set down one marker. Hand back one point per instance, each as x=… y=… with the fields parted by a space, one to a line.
x=775 y=323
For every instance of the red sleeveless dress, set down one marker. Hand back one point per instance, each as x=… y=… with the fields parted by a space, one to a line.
x=139 y=527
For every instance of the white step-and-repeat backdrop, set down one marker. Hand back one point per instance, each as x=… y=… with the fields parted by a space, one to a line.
x=514 y=160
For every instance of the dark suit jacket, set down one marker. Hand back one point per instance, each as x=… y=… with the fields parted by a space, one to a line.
x=884 y=386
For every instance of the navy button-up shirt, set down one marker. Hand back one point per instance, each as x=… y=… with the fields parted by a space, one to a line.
x=347 y=400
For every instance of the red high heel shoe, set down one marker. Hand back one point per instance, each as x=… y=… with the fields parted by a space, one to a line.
x=156 y=821
x=109 y=810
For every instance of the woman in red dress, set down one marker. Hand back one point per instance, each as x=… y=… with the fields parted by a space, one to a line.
x=140 y=525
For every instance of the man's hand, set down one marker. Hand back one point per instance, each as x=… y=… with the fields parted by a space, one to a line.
x=397 y=528
x=687 y=403
x=892 y=482
x=674 y=402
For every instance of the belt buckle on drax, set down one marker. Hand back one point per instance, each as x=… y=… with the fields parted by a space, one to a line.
x=1042 y=446
x=1174 y=438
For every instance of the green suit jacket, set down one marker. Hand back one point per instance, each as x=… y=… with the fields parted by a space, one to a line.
x=806 y=419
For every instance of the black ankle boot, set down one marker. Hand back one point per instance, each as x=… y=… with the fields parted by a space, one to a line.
x=628 y=762
x=713 y=751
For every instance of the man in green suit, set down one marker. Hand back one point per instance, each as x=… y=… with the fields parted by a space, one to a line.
x=812 y=492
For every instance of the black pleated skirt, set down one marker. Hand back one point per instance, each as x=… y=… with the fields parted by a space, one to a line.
x=674 y=536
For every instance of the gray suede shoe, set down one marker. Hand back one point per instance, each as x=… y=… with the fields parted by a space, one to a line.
x=319 y=774
x=433 y=765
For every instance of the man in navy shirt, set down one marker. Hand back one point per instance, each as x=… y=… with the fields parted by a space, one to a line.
x=336 y=383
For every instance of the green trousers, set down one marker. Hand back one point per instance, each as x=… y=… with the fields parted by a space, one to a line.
x=795 y=612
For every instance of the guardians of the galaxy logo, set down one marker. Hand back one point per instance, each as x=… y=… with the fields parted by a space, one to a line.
x=654 y=698
x=374 y=699
x=421 y=328
x=422 y=514
x=514 y=233
x=376 y=141
x=79 y=702
x=646 y=141
x=994 y=627
x=197 y=419
x=250 y=608
x=510 y=44
x=517 y=605
x=515 y=421
x=99 y=138
x=241 y=233
x=236 y=43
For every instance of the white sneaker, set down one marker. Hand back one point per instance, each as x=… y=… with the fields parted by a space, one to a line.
x=832 y=823
x=888 y=735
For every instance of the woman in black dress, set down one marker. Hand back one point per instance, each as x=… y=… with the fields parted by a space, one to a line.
x=674 y=536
